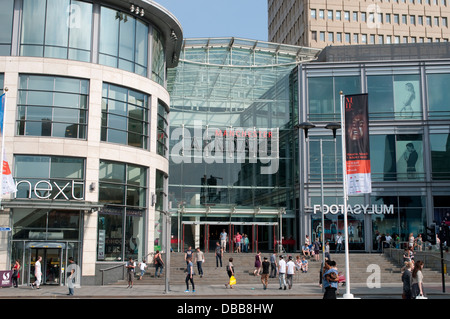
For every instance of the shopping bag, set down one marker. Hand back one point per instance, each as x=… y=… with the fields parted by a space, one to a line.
x=232 y=280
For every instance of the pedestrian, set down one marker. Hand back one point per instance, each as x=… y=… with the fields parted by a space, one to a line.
x=265 y=273
x=282 y=272
x=237 y=240
x=246 y=243
x=273 y=265
x=223 y=240
x=16 y=273
x=407 y=280
x=257 y=270
x=190 y=275
x=330 y=280
x=327 y=250
x=339 y=242
x=131 y=265
x=142 y=266
x=188 y=254
x=290 y=271
x=199 y=259
x=71 y=276
x=159 y=264
x=230 y=272
x=219 y=254
x=37 y=273
x=417 y=281
x=316 y=248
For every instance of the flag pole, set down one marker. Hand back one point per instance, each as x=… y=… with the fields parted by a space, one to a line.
x=3 y=143
x=347 y=294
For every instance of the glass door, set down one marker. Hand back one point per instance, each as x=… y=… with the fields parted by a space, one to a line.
x=51 y=264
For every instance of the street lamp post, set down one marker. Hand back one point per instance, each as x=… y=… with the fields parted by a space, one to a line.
x=331 y=126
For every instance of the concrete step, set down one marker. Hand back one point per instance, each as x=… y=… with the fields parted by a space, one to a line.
x=361 y=268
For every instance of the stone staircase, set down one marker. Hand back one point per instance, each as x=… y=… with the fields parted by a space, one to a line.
x=362 y=266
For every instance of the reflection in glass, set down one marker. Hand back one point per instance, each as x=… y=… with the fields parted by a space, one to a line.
x=46 y=109
x=125 y=116
x=56 y=29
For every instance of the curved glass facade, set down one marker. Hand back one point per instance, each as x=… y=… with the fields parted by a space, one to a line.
x=84 y=31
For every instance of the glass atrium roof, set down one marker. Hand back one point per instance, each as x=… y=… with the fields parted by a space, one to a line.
x=227 y=75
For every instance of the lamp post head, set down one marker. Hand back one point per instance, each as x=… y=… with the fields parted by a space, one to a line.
x=305 y=126
x=334 y=127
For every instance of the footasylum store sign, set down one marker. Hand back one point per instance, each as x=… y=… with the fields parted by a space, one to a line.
x=355 y=209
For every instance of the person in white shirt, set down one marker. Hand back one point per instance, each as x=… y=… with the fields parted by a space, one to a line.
x=339 y=242
x=290 y=268
x=37 y=273
x=282 y=272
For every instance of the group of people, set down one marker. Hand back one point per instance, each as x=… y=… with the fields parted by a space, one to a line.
x=142 y=266
x=241 y=242
x=412 y=279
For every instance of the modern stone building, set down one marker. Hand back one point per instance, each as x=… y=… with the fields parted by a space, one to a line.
x=86 y=131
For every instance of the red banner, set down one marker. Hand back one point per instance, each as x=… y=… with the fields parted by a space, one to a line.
x=357 y=144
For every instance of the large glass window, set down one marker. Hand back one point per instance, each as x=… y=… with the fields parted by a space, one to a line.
x=56 y=29
x=49 y=177
x=409 y=217
x=123 y=41
x=438 y=96
x=123 y=190
x=396 y=157
x=158 y=61
x=161 y=198
x=125 y=116
x=440 y=152
x=324 y=95
x=394 y=96
x=162 y=129
x=6 y=18
x=52 y=106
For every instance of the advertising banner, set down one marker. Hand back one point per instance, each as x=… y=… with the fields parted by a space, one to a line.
x=357 y=144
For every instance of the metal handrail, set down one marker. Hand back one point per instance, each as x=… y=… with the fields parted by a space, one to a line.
x=110 y=268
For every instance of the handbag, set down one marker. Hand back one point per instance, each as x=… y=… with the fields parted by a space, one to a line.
x=232 y=280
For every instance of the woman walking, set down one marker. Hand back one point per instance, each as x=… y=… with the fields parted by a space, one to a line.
x=230 y=272
x=257 y=264
x=417 y=280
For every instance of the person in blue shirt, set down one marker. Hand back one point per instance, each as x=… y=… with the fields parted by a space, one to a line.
x=330 y=280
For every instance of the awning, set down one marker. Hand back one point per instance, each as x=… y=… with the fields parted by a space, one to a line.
x=51 y=204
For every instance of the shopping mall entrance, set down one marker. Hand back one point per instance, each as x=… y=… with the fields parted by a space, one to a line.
x=259 y=236
x=52 y=263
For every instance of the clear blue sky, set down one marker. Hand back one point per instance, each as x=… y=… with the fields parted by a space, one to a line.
x=220 y=18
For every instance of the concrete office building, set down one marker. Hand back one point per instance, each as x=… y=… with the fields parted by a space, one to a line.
x=86 y=131
x=321 y=23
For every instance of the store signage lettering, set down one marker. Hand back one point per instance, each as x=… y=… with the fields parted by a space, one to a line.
x=44 y=189
x=356 y=209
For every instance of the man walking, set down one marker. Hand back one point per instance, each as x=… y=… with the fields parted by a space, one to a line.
x=339 y=242
x=223 y=240
x=71 y=276
x=282 y=272
x=290 y=272
x=265 y=273
x=219 y=254
x=273 y=265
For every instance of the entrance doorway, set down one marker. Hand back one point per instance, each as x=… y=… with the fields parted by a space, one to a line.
x=51 y=264
x=262 y=236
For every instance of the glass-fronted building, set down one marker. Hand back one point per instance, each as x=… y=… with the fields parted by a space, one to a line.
x=85 y=131
x=232 y=149
x=409 y=126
